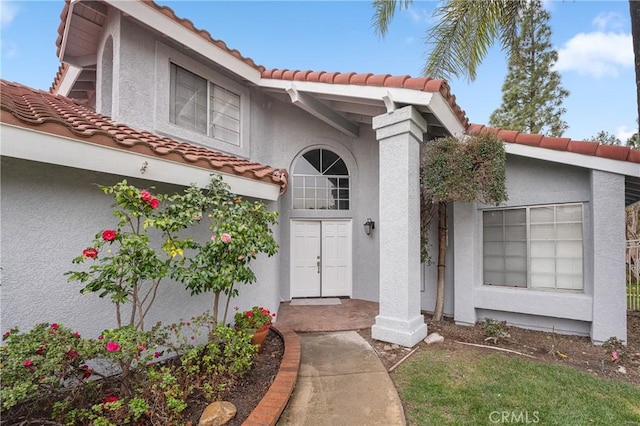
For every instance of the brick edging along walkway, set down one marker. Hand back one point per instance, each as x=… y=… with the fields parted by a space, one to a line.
x=275 y=400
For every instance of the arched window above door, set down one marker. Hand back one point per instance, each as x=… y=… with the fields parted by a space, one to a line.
x=320 y=181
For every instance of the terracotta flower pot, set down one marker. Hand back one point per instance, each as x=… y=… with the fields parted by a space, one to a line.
x=259 y=336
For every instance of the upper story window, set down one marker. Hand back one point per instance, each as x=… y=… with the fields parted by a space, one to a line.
x=320 y=181
x=537 y=247
x=203 y=106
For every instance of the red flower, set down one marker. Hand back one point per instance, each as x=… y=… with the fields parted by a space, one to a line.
x=40 y=350
x=156 y=354
x=28 y=363
x=76 y=334
x=72 y=353
x=108 y=399
x=90 y=253
x=87 y=371
x=145 y=196
x=100 y=337
x=113 y=347
x=249 y=314
x=154 y=203
x=54 y=326
x=6 y=334
x=108 y=235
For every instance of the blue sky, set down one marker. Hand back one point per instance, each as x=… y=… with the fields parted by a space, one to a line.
x=593 y=39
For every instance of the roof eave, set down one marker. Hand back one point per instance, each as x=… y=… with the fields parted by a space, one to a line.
x=434 y=101
x=155 y=19
x=60 y=150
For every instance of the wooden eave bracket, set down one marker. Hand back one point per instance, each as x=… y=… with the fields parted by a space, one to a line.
x=314 y=107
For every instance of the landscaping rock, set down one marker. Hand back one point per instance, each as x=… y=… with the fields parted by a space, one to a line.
x=217 y=414
x=622 y=370
x=434 y=338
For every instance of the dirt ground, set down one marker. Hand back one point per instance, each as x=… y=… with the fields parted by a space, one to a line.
x=247 y=393
x=577 y=352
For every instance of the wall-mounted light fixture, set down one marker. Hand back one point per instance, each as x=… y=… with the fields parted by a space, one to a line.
x=369 y=226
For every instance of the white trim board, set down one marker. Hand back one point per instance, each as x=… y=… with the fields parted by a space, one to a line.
x=571 y=158
x=27 y=144
x=315 y=302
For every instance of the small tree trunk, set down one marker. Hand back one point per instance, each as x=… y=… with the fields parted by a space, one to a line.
x=216 y=302
x=442 y=252
x=226 y=306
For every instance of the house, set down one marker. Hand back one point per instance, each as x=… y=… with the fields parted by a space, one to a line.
x=342 y=148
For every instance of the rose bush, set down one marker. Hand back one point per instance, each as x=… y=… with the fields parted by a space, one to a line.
x=52 y=373
x=124 y=376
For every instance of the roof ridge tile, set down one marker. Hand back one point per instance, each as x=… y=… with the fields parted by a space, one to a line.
x=592 y=148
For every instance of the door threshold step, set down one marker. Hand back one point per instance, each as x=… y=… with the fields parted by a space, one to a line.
x=315 y=302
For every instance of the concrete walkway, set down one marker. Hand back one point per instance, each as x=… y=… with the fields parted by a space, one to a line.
x=341 y=381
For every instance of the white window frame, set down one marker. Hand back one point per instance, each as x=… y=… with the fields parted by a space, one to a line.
x=528 y=246
x=304 y=188
x=165 y=56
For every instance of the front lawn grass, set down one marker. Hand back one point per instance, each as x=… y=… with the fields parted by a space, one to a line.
x=475 y=388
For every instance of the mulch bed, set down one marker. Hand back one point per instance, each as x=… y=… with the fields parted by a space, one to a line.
x=249 y=390
x=244 y=394
x=574 y=351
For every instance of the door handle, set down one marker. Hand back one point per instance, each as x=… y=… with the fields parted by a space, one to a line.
x=318 y=264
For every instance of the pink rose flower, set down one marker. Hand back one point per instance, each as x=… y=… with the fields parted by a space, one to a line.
x=113 y=347
x=145 y=196
x=90 y=253
x=6 y=334
x=108 y=235
x=28 y=363
x=154 y=203
x=226 y=238
x=213 y=237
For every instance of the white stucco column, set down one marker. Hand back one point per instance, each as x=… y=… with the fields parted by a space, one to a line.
x=399 y=134
x=609 y=291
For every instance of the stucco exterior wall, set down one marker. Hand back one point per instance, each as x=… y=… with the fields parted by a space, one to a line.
x=532 y=182
x=277 y=134
x=281 y=132
x=430 y=269
x=49 y=215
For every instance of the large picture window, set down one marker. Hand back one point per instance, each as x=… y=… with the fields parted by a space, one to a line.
x=203 y=106
x=534 y=247
x=320 y=181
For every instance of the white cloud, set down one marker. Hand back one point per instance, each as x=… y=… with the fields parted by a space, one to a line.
x=608 y=21
x=421 y=16
x=9 y=49
x=598 y=54
x=624 y=133
x=8 y=12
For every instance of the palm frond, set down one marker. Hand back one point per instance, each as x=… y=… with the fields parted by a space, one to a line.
x=465 y=31
x=384 y=12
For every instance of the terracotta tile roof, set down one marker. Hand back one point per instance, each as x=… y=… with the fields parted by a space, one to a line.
x=614 y=152
x=167 y=11
x=40 y=110
x=423 y=84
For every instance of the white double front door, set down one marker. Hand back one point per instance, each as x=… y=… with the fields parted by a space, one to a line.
x=320 y=258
